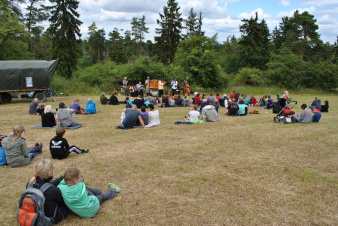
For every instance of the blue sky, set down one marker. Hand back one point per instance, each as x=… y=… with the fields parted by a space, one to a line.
x=219 y=16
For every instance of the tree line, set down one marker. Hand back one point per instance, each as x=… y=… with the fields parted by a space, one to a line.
x=290 y=56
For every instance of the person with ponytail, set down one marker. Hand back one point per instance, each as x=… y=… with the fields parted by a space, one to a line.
x=17 y=152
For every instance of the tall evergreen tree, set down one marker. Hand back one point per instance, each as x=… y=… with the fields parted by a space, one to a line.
x=138 y=31
x=193 y=24
x=36 y=13
x=169 y=33
x=116 y=48
x=254 y=43
x=96 y=42
x=65 y=28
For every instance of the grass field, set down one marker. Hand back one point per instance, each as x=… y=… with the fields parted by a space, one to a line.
x=237 y=171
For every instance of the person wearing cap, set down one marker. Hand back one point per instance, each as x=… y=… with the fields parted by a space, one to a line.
x=147 y=83
x=174 y=85
x=124 y=85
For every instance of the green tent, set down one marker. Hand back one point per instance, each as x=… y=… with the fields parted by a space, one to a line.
x=16 y=75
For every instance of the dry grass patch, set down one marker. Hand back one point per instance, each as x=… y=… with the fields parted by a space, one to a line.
x=238 y=171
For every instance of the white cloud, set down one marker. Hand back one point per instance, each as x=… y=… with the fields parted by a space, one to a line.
x=285 y=3
x=320 y=2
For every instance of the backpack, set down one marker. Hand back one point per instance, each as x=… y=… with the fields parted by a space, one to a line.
x=31 y=207
x=1 y=138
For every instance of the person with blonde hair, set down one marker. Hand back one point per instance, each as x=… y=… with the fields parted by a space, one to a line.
x=90 y=106
x=54 y=207
x=47 y=117
x=17 y=152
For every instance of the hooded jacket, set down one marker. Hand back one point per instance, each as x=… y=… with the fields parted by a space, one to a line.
x=16 y=153
x=209 y=114
x=77 y=199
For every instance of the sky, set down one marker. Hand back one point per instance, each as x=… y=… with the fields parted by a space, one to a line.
x=222 y=17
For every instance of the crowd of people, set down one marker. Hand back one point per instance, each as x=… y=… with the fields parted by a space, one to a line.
x=139 y=112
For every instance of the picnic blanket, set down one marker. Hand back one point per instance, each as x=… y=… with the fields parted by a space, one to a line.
x=71 y=127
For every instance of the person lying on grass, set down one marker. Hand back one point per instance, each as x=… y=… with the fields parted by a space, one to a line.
x=80 y=199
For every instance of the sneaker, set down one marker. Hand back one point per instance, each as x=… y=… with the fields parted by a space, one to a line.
x=113 y=186
x=38 y=148
x=84 y=151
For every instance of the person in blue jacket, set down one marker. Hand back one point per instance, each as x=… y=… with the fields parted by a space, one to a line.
x=90 y=106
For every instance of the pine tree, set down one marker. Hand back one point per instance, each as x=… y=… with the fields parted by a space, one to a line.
x=96 y=42
x=254 y=43
x=169 y=33
x=138 y=30
x=193 y=25
x=65 y=28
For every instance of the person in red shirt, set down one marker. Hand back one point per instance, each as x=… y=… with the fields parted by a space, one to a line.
x=233 y=94
x=197 y=100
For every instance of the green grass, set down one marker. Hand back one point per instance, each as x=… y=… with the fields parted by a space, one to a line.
x=237 y=171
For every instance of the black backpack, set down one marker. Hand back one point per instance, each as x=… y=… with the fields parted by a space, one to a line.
x=31 y=207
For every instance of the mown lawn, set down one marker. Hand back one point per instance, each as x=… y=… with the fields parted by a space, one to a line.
x=237 y=171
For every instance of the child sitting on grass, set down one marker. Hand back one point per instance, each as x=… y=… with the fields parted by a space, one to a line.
x=82 y=200
x=55 y=207
x=59 y=147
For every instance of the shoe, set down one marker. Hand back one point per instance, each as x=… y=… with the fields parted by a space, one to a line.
x=38 y=148
x=84 y=151
x=113 y=186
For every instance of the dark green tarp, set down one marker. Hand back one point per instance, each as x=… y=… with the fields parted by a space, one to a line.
x=29 y=74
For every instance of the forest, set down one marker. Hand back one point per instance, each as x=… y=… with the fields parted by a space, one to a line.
x=290 y=56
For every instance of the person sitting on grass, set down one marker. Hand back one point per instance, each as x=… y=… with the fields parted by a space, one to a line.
x=154 y=119
x=130 y=116
x=17 y=152
x=209 y=113
x=76 y=106
x=325 y=107
x=144 y=115
x=232 y=108
x=59 y=147
x=90 y=106
x=65 y=117
x=47 y=117
x=305 y=116
x=80 y=199
x=242 y=108
x=194 y=114
x=54 y=207
x=104 y=99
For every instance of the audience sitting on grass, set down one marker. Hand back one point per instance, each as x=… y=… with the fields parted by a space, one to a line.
x=269 y=103
x=305 y=116
x=103 y=99
x=179 y=101
x=130 y=117
x=216 y=104
x=80 y=199
x=113 y=100
x=196 y=100
x=209 y=113
x=47 y=117
x=233 y=108
x=144 y=115
x=76 y=106
x=17 y=152
x=316 y=103
x=194 y=114
x=242 y=108
x=253 y=101
x=245 y=99
x=325 y=107
x=59 y=147
x=90 y=106
x=65 y=117
x=154 y=117
x=33 y=106
x=55 y=208
x=186 y=102
x=139 y=101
